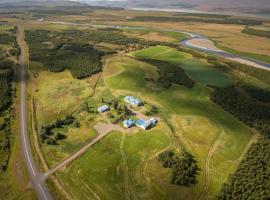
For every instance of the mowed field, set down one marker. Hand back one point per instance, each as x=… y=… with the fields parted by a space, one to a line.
x=125 y=166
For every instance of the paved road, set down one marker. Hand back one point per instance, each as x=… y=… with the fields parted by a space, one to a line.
x=241 y=59
x=35 y=177
x=186 y=43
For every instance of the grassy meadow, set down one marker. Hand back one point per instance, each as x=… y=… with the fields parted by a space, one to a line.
x=52 y=88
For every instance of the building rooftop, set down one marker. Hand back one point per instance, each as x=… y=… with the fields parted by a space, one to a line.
x=103 y=108
x=133 y=100
x=128 y=123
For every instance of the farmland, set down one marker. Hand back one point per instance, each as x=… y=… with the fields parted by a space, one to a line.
x=201 y=145
x=191 y=114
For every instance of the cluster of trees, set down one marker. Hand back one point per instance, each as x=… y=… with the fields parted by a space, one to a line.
x=79 y=51
x=171 y=74
x=80 y=58
x=121 y=111
x=251 y=179
x=112 y=36
x=247 y=109
x=184 y=167
x=257 y=93
x=47 y=135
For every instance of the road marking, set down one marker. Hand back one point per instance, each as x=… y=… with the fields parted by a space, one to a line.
x=22 y=121
x=42 y=191
x=28 y=157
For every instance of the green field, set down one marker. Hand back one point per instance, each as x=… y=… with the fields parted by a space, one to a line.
x=110 y=169
x=75 y=139
x=207 y=132
x=198 y=70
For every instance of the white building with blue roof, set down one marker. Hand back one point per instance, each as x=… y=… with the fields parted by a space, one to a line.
x=133 y=101
x=103 y=109
x=128 y=123
x=146 y=124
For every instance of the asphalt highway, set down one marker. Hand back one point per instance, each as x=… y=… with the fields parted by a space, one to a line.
x=37 y=182
x=221 y=53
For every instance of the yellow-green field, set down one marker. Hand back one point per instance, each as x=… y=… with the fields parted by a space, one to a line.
x=57 y=94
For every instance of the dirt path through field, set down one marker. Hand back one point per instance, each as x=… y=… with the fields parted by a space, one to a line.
x=211 y=151
x=130 y=194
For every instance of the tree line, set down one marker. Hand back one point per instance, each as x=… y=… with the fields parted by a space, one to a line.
x=6 y=78
x=251 y=179
x=249 y=110
x=250 y=105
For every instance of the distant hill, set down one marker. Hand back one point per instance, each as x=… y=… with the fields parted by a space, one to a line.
x=245 y=6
